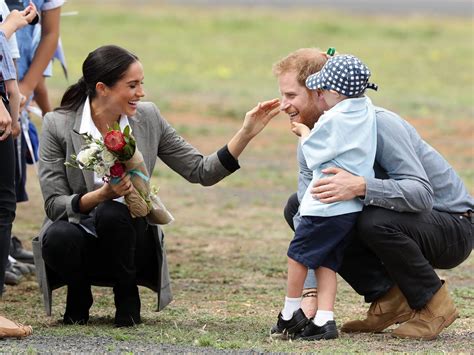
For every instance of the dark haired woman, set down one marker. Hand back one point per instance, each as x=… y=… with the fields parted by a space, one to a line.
x=90 y=235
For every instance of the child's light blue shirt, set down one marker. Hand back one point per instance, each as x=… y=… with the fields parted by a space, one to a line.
x=25 y=36
x=344 y=137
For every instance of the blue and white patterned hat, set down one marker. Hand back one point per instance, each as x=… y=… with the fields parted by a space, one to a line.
x=345 y=74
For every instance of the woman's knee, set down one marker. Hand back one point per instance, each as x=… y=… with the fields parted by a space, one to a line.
x=61 y=241
x=112 y=213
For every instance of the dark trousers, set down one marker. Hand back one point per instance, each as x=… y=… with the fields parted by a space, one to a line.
x=116 y=256
x=7 y=202
x=401 y=248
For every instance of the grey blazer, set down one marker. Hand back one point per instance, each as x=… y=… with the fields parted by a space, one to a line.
x=59 y=185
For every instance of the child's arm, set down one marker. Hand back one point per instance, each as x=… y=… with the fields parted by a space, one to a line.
x=41 y=96
x=14 y=99
x=45 y=51
x=300 y=129
x=18 y=19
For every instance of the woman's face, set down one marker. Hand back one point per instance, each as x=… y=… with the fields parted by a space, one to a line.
x=123 y=97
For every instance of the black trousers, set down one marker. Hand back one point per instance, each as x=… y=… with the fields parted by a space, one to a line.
x=401 y=248
x=121 y=250
x=7 y=202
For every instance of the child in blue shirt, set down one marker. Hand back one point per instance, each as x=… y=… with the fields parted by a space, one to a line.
x=345 y=136
x=15 y=20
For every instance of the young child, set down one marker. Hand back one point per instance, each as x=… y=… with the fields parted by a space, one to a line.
x=9 y=120
x=345 y=136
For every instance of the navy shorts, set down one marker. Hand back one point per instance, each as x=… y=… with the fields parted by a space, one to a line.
x=320 y=241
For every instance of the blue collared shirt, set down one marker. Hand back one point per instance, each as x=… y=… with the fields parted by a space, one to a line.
x=410 y=175
x=7 y=66
x=346 y=137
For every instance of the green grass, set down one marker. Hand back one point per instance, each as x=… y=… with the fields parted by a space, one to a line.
x=219 y=61
x=226 y=250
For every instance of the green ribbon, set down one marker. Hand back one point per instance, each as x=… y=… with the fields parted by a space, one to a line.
x=115 y=179
x=138 y=173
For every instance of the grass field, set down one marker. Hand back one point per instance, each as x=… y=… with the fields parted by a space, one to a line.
x=205 y=68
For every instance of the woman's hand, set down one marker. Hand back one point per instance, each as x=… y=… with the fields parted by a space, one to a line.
x=106 y=192
x=121 y=188
x=255 y=120
x=258 y=117
x=300 y=129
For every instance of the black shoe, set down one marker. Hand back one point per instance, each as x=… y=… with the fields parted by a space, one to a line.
x=11 y=278
x=20 y=254
x=78 y=302
x=314 y=332
x=127 y=306
x=11 y=267
x=21 y=268
x=285 y=329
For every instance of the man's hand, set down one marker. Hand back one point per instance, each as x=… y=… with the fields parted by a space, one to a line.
x=341 y=186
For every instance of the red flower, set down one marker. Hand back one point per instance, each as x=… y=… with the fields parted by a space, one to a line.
x=114 y=141
x=117 y=169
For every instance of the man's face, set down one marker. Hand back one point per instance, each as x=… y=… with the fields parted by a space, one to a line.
x=299 y=103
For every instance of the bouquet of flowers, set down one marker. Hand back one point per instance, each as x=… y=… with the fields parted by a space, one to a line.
x=110 y=159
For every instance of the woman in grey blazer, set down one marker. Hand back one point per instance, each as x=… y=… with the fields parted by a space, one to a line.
x=90 y=237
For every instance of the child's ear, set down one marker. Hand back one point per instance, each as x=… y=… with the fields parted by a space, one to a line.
x=335 y=93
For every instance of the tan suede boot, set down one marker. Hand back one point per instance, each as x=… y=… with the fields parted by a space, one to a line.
x=428 y=322
x=390 y=309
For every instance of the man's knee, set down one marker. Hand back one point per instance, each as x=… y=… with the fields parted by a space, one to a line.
x=371 y=223
x=291 y=209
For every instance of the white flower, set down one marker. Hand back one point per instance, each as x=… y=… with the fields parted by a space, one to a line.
x=108 y=158
x=95 y=147
x=84 y=156
x=101 y=170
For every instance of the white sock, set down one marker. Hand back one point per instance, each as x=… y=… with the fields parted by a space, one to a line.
x=322 y=317
x=291 y=305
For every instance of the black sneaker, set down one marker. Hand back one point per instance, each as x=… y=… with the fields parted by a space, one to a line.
x=314 y=332
x=285 y=329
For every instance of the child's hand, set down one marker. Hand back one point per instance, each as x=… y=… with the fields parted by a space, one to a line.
x=18 y=19
x=5 y=122
x=30 y=13
x=300 y=129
